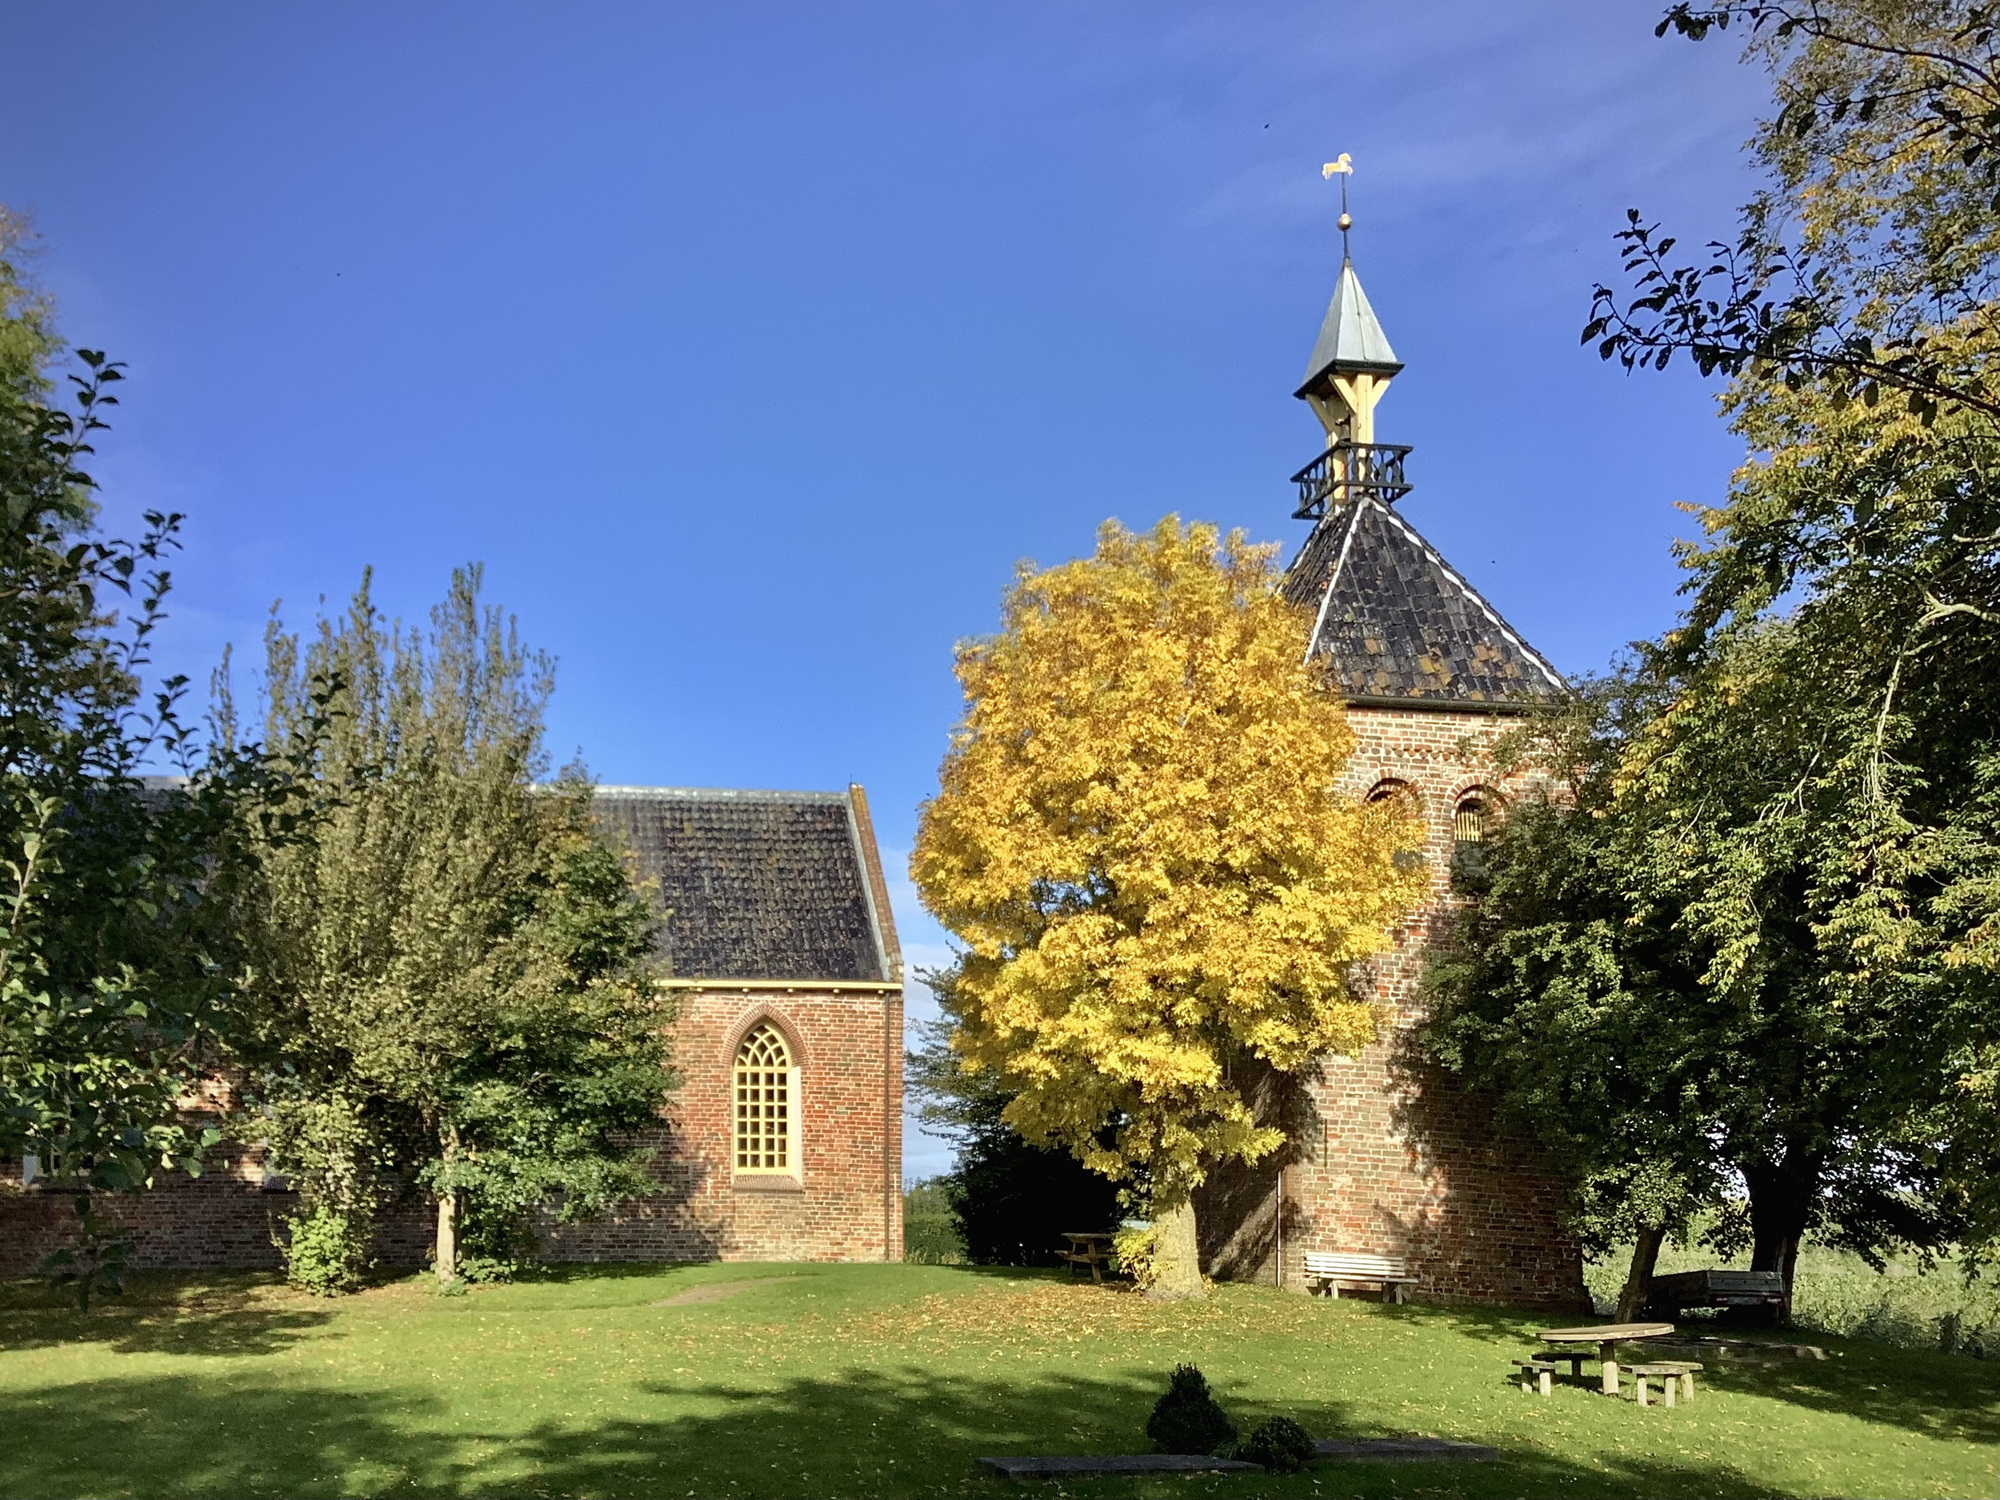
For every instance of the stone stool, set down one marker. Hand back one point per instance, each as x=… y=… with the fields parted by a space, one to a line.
x=1533 y=1372
x=1670 y=1373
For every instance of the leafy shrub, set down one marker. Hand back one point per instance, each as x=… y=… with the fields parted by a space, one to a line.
x=1187 y=1418
x=481 y=1269
x=1280 y=1445
x=1135 y=1248
x=324 y=1252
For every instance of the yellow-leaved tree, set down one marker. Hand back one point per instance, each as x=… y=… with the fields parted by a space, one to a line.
x=1139 y=844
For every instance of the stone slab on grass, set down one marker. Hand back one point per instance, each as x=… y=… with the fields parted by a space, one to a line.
x=1116 y=1463
x=1404 y=1450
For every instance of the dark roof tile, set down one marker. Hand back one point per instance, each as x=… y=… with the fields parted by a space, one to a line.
x=1395 y=620
x=755 y=885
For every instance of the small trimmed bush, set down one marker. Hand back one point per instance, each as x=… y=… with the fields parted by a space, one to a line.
x=324 y=1252
x=1280 y=1445
x=1187 y=1419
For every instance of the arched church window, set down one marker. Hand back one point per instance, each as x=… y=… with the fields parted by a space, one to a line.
x=767 y=1103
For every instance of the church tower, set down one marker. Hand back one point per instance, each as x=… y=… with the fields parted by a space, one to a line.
x=1388 y=1157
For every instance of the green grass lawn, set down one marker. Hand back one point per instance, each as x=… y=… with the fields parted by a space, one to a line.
x=889 y=1380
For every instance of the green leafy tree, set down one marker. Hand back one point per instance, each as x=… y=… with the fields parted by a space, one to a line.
x=118 y=899
x=28 y=337
x=1012 y=1201
x=1645 y=973
x=1798 y=803
x=454 y=988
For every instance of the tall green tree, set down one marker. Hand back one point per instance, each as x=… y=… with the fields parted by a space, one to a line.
x=454 y=988
x=29 y=341
x=1820 y=737
x=118 y=899
x=1646 y=974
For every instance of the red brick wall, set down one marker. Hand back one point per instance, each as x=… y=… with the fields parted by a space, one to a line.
x=1389 y=1156
x=845 y=1204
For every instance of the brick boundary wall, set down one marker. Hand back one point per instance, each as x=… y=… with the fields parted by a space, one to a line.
x=845 y=1204
x=1389 y=1156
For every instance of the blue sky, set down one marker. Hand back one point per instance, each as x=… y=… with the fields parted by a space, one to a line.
x=749 y=347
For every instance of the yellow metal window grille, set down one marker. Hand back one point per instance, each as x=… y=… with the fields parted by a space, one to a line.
x=766 y=1090
x=1468 y=823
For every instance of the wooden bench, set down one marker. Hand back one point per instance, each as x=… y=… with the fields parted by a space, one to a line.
x=1669 y=1373
x=1093 y=1250
x=1330 y=1271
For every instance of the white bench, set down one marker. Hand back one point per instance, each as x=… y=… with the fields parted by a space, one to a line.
x=1330 y=1271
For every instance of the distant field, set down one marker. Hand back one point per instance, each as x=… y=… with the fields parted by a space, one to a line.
x=864 y=1380
x=1837 y=1293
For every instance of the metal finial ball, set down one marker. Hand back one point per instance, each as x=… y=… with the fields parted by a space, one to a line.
x=1346 y=222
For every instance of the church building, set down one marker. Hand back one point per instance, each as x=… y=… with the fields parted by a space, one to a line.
x=784 y=1140
x=1391 y=1158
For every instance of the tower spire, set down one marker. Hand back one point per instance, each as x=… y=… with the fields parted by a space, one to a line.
x=1352 y=363
x=1349 y=372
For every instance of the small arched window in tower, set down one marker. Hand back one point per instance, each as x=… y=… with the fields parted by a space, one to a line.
x=1468 y=821
x=767 y=1104
x=1398 y=798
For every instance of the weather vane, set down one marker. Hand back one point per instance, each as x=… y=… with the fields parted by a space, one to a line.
x=1343 y=168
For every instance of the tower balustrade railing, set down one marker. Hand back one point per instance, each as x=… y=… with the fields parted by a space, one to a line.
x=1349 y=471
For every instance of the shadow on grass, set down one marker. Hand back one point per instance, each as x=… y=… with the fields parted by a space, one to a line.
x=887 y=1432
x=580 y=1271
x=165 y=1313
x=1939 y=1395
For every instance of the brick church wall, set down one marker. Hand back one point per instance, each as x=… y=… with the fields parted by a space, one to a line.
x=845 y=1204
x=1389 y=1156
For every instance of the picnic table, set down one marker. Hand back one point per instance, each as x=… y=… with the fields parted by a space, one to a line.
x=1093 y=1250
x=1607 y=1337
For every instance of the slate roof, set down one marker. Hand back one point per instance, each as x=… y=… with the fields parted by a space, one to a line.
x=760 y=885
x=1395 y=621
x=1352 y=336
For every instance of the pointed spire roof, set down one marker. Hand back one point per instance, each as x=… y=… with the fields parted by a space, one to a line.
x=1351 y=338
x=1395 y=621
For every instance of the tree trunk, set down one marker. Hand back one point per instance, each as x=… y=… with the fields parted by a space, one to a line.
x=447 y=1236
x=1638 y=1288
x=1176 y=1253
x=447 y=1226
x=1781 y=1200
